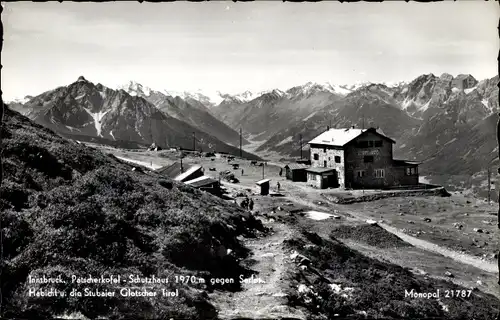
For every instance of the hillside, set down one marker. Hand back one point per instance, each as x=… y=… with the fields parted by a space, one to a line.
x=273 y=111
x=69 y=210
x=367 y=104
x=85 y=109
x=186 y=109
x=430 y=119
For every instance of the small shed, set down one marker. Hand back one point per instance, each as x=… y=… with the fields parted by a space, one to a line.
x=206 y=183
x=296 y=172
x=190 y=174
x=322 y=178
x=264 y=186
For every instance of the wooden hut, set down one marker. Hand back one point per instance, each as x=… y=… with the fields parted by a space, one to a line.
x=296 y=172
x=206 y=183
x=264 y=186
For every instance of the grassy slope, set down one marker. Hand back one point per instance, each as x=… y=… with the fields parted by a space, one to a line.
x=379 y=287
x=69 y=209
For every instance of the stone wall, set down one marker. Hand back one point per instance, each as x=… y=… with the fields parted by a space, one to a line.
x=328 y=154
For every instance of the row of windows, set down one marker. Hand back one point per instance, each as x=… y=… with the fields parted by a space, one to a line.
x=369 y=144
x=377 y=173
x=380 y=173
x=337 y=158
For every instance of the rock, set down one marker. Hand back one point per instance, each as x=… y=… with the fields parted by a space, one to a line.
x=478 y=230
x=371 y=221
x=303 y=267
x=304 y=261
x=466 y=214
x=279 y=209
x=271 y=220
x=467 y=201
x=427 y=219
x=449 y=274
x=479 y=282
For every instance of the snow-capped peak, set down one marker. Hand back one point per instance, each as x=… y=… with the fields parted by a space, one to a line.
x=394 y=84
x=135 y=89
x=206 y=97
x=21 y=100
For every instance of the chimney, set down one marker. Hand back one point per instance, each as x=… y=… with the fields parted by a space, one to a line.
x=353 y=127
x=327 y=128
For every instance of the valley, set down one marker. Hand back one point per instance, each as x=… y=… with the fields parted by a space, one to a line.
x=430 y=249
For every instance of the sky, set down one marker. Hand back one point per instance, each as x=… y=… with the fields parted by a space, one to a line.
x=234 y=47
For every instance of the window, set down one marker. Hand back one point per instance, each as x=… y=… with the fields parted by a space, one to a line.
x=362 y=144
x=324 y=163
x=369 y=144
x=379 y=173
x=360 y=173
x=329 y=158
x=316 y=156
x=411 y=171
x=368 y=159
x=337 y=159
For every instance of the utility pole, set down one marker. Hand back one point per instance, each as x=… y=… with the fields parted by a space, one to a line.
x=194 y=141
x=489 y=185
x=300 y=135
x=363 y=125
x=263 y=165
x=241 y=152
x=182 y=168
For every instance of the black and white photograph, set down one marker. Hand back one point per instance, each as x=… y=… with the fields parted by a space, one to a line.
x=225 y=160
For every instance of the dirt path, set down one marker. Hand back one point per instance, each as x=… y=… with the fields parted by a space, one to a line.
x=429 y=246
x=314 y=195
x=262 y=300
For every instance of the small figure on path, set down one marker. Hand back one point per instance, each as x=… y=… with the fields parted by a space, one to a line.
x=281 y=172
x=244 y=204
x=250 y=204
x=279 y=186
x=242 y=171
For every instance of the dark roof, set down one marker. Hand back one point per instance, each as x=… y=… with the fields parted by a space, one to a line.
x=296 y=166
x=319 y=170
x=404 y=163
x=375 y=131
x=172 y=170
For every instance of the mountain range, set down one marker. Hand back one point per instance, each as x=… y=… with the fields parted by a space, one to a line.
x=431 y=119
x=92 y=112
